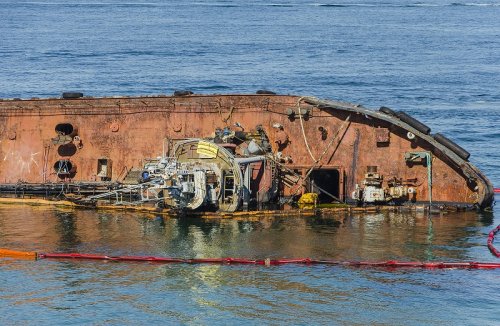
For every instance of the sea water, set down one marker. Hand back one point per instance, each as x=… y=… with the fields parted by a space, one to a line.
x=438 y=60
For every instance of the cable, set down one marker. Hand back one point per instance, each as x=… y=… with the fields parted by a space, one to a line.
x=303 y=131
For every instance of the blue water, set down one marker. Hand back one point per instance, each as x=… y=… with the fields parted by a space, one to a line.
x=439 y=60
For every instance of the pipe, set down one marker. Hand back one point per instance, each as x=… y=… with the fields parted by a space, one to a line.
x=249 y=160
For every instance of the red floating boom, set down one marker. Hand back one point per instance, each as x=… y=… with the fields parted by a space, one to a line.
x=491 y=239
x=269 y=262
x=497 y=190
x=266 y=262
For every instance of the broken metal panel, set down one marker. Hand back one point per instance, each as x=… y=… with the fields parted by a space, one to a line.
x=382 y=136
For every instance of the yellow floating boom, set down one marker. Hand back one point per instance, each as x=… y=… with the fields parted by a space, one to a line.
x=18 y=254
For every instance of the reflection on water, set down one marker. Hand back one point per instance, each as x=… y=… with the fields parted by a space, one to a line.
x=149 y=292
x=369 y=236
x=66 y=227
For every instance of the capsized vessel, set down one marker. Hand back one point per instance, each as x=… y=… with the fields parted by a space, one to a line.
x=227 y=153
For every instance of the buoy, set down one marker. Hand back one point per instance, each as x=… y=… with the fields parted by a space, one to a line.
x=308 y=200
x=452 y=146
x=182 y=93
x=414 y=122
x=388 y=111
x=265 y=92
x=70 y=95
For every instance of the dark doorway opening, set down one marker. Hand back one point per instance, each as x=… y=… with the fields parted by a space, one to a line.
x=329 y=181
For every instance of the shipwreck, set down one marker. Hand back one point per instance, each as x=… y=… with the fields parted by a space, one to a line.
x=229 y=153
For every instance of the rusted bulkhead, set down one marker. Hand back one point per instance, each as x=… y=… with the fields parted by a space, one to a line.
x=342 y=152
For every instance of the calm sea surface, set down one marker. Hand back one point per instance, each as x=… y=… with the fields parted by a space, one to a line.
x=439 y=60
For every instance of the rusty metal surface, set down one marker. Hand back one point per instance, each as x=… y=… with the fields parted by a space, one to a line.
x=127 y=130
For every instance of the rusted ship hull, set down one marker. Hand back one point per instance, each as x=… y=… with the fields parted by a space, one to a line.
x=101 y=149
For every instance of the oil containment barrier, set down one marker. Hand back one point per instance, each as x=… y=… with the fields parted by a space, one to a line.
x=273 y=262
x=266 y=262
x=491 y=239
x=243 y=261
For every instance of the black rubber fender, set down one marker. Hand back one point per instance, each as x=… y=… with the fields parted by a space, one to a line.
x=452 y=146
x=388 y=111
x=265 y=92
x=182 y=93
x=414 y=122
x=68 y=95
